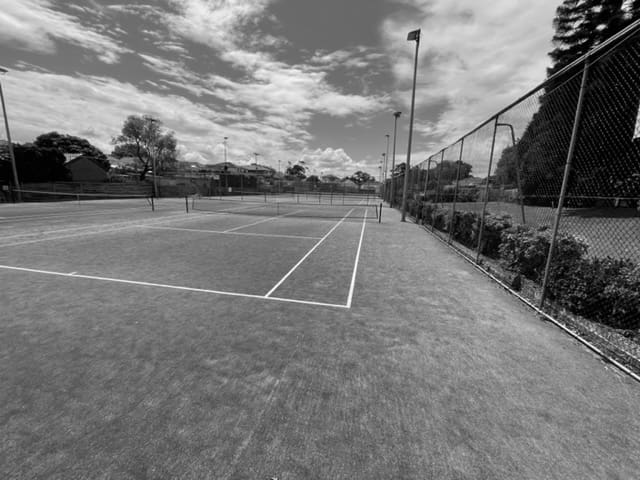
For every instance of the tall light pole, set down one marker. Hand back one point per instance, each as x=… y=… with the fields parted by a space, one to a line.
x=226 y=167
x=414 y=35
x=9 y=144
x=386 y=157
x=382 y=174
x=393 y=158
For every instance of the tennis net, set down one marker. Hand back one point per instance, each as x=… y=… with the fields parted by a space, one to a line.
x=68 y=200
x=275 y=206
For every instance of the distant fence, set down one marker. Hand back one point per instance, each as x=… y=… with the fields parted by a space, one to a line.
x=545 y=194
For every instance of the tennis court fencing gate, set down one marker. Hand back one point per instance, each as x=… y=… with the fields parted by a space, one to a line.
x=545 y=195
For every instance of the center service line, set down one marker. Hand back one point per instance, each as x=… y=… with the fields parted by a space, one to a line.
x=307 y=254
x=355 y=266
x=172 y=287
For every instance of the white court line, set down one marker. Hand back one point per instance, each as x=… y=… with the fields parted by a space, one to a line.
x=227 y=232
x=307 y=254
x=93 y=213
x=355 y=266
x=100 y=229
x=172 y=287
x=261 y=221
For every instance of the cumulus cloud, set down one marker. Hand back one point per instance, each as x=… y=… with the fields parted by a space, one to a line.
x=36 y=26
x=463 y=65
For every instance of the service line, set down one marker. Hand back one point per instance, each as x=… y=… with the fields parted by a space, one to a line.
x=171 y=287
x=307 y=255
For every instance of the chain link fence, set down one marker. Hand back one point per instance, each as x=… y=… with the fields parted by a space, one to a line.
x=546 y=196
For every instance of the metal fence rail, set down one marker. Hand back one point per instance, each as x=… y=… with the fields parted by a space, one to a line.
x=546 y=193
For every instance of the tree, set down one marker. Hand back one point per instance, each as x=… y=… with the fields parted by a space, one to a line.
x=143 y=139
x=360 y=178
x=605 y=150
x=313 y=179
x=72 y=144
x=35 y=164
x=296 y=171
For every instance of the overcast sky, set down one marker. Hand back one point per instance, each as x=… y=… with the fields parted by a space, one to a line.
x=312 y=80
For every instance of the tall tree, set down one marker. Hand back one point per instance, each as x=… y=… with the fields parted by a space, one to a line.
x=142 y=138
x=296 y=171
x=35 y=164
x=71 y=144
x=605 y=149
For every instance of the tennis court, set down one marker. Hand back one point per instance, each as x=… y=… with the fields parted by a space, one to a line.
x=258 y=339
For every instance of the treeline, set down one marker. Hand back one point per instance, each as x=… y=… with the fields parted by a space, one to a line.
x=607 y=155
x=43 y=160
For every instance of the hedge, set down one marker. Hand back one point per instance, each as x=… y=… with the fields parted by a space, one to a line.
x=604 y=290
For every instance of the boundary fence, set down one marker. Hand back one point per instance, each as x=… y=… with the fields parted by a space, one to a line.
x=545 y=195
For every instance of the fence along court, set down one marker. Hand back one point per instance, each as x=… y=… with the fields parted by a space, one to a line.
x=546 y=193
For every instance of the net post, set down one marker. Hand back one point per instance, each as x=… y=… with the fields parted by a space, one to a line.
x=186 y=203
x=153 y=207
x=380 y=213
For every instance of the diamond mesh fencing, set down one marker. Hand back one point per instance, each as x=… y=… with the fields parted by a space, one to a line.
x=546 y=196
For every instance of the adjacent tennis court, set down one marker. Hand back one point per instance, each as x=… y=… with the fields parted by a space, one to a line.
x=286 y=337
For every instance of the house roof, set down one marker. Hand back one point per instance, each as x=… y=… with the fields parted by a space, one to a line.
x=82 y=158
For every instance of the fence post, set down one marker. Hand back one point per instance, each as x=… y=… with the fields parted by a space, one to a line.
x=486 y=192
x=455 y=192
x=517 y=159
x=435 y=200
x=565 y=178
x=426 y=180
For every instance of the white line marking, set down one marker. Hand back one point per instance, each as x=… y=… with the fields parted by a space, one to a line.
x=355 y=266
x=226 y=232
x=261 y=221
x=307 y=254
x=172 y=287
x=97 y=229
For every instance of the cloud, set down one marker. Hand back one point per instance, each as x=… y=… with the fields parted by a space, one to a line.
x=332 y=160
x=34 y=25
x=466 y=72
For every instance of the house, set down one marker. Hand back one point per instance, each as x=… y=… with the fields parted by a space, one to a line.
x=259 y=170
x=84 y=168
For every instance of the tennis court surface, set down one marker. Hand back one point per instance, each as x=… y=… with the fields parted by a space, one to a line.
x=255 y=339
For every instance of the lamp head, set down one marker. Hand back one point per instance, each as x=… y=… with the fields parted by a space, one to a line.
x=396 y=114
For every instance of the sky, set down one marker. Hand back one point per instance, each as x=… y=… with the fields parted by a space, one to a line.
x=292 y=80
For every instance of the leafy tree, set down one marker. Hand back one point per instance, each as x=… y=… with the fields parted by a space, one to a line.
x=360 y=178
x=605 y=151
x=35 y=164
x=71 y=144
x=399 y=169
x=143 y=139
x=296 y=171
x=313 y=179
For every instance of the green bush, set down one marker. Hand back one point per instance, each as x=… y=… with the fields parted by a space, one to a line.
x=494 y=225
x=605 y=290
x=463 y=227
x=525 y=249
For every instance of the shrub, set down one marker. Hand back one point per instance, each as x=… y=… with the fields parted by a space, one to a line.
x=494 y=225
x=605 y=290
x=463 y=225
x=525 y=249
